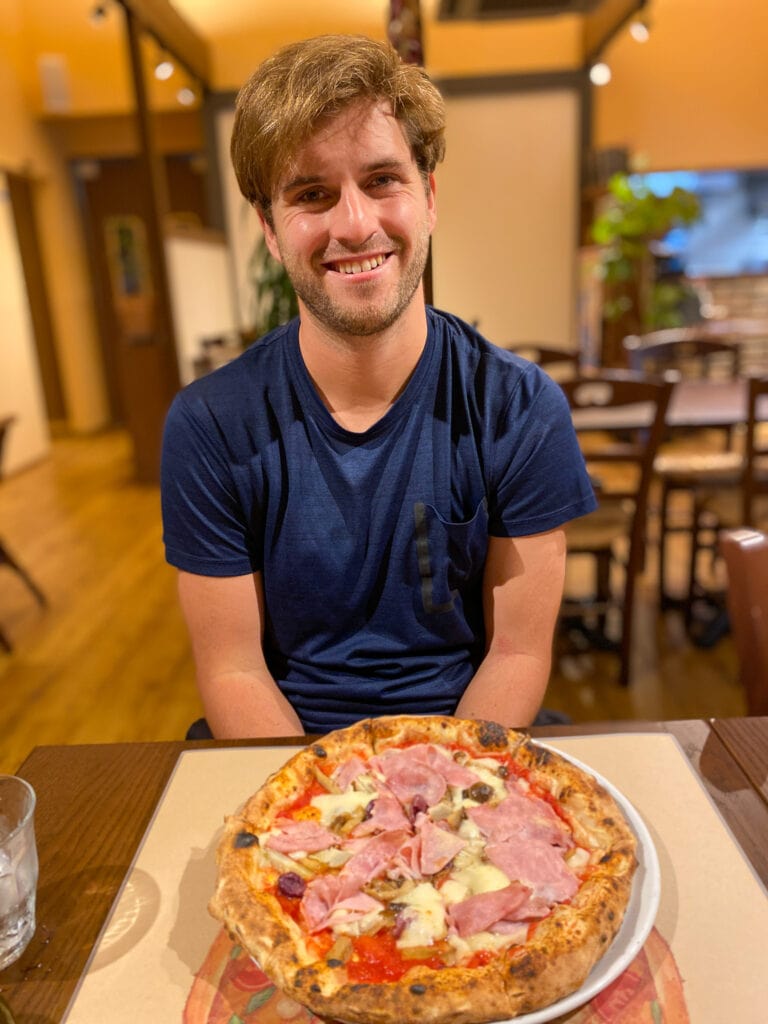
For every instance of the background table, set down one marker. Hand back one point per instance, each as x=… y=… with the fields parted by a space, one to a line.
x=96 y=802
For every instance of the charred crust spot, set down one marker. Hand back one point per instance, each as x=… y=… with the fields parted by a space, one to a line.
x=358 y=988
x=319 y=751
x=314 y=987
x=607 y=858
x=523 y=968
x=491 y=734
x=244 y=840
x=603 y=939
x=418 y=990
x=609 y=822
x=541 y=755
x=611 y=915
x=333 y=962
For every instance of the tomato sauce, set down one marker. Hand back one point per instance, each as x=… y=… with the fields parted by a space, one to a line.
x=376 y=958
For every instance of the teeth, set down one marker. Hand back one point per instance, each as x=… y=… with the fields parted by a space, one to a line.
x=358 y=268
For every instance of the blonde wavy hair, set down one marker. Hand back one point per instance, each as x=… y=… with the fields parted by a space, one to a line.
x=306 y=83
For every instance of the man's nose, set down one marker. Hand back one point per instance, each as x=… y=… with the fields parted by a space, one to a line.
x=353 y=218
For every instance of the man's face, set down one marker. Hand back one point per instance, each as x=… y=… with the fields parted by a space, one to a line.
x=351 y=223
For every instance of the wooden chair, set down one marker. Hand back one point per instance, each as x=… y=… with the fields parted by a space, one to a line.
x=739 y=504
x=559 y=363
x=620 y=420
x=5 y=556
x=686 y=472
x=745 y=554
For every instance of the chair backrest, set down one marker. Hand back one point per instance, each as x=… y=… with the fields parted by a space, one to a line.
x=558 y=363
x=620 y=418
x=745 y=553
x=689 y=358
x=5 y=425
x=755 y=480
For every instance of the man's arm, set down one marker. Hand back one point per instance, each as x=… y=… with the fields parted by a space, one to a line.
x=522 y=590
x=225 y=621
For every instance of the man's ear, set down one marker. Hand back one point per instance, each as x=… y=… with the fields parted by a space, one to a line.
x=270 y=237
x=431 y=202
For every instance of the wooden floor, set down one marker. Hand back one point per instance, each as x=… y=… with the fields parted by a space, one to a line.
x=108 y=659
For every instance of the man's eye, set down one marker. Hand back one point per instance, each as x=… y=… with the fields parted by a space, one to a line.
x=312 y=195
x=382 y=180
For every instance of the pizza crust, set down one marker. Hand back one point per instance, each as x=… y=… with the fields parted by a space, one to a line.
x=553 y=963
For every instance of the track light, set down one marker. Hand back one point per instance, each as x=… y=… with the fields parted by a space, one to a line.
x=640 y=31
x=164 y=69
x=600 y=73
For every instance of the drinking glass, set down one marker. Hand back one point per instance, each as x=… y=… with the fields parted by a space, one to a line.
x=18 y=867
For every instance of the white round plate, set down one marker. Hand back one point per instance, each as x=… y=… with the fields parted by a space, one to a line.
x=638 y=919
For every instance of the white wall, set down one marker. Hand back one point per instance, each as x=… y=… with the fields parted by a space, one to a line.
x=201 y=294
x=21 y=392
x=504 y=249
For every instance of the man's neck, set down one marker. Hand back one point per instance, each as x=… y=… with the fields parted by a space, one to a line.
x=360 y=378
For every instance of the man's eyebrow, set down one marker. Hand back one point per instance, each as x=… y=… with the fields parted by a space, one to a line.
x=303 y=180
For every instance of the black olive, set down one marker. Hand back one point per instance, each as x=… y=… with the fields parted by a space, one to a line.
x=480 y=791
x=290 y=884
x=245 y=839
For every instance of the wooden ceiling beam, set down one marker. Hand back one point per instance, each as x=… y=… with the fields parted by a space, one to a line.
x=174 y=34
x=601 y=23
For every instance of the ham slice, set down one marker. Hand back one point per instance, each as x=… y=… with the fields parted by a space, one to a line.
x=329 y=896
x=429 y=850
x=347 y=772
x=522 y=815
x=423 y=770
x=537 y=865
x=387 y=815
x=480 y=912
x=300 y=837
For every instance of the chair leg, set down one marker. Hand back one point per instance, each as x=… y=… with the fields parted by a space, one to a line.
x=7 y=559
x=663 y=527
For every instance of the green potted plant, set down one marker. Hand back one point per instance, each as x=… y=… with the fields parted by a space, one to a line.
x=629 y=225
x=273 y=298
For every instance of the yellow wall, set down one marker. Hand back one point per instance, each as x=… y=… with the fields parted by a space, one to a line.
x=24 y=148
x=694 y=95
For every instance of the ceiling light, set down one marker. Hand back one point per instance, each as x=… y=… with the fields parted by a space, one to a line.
x=640 y=31
x=163 y=70
x=600 y=74
x=186 y=97
x=98 y=14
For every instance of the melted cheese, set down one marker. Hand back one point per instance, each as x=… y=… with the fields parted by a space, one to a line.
x=424 y=916
x=339 y=805
x=480 y=877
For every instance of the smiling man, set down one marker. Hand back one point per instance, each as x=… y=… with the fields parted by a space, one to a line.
x=366 y=507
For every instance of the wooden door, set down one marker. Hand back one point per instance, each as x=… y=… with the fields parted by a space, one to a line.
x=138 y=346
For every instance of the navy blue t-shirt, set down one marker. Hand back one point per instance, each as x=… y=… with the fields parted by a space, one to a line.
x=371 y=545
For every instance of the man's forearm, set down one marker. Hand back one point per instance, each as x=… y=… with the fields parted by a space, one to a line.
x=244 y=705
x=508 y=689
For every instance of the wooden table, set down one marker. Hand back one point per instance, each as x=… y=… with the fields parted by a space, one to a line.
x=96 y=802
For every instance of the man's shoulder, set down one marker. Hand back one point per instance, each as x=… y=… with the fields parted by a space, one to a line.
x=256 y=365
x=503 y=368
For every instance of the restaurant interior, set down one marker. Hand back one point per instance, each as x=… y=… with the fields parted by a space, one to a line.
x=129 y=265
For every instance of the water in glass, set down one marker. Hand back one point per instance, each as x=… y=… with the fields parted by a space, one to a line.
x=18 y=868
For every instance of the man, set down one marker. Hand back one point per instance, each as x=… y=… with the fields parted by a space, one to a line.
x=366 y=507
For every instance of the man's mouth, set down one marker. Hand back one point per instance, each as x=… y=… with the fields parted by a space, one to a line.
x=357 y=266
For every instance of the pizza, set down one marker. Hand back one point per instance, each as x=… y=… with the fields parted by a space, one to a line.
x=410 y=869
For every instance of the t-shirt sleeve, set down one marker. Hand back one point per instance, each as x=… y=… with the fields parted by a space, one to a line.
x=540 y=480
x=206 y=528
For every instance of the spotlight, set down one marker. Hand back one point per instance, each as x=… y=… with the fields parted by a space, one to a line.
x=98 y=14
x=640 y=31
x=186 y=97
x=163 y=70
x=600 y=74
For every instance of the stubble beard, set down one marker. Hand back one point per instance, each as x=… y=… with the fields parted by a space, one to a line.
x=367 y=316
